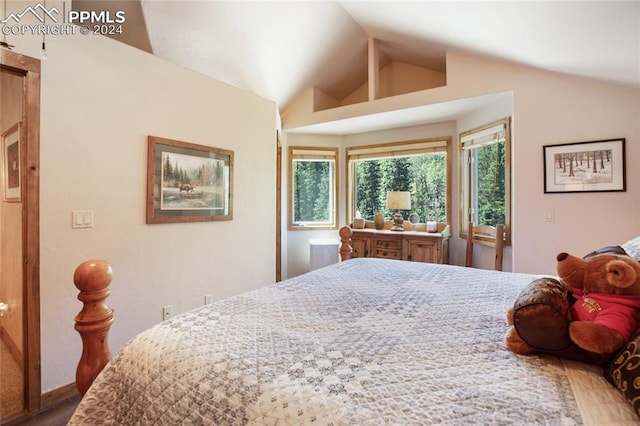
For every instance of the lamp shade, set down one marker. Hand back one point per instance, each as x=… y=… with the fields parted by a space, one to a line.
x=398 y=200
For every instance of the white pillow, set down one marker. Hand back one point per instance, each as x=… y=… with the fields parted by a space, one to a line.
x=632 y=247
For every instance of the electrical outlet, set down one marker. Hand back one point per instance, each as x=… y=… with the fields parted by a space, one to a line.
x=167 y=312
x=208 y=299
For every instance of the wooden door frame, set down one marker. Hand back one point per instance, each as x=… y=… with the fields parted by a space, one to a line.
x=30 y=175
x=278 y=207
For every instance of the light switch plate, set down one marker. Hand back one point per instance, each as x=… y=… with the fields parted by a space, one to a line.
x=550 y=215
x=82 y=219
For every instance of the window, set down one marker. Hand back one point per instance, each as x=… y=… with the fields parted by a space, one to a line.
x=485 y=166
x=420 y=167
x=312 y=187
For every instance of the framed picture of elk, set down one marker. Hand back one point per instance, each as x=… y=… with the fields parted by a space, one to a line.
x=188 y=182
x=593 y=166
x=11 y=163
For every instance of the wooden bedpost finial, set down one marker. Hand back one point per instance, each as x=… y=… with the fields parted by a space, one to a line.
x=92 y=278
x=346 y=251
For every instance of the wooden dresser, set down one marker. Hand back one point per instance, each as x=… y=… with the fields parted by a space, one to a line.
x=417 y=246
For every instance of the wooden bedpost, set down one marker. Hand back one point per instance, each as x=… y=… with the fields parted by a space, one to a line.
x=92 y=278
x=346 y=251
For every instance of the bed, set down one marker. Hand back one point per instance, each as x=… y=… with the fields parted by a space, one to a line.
x=361 y=342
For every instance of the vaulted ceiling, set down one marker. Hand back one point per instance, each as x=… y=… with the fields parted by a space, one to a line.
x=277 y=49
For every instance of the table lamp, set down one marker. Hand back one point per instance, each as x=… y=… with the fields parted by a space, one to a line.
x=398 y=200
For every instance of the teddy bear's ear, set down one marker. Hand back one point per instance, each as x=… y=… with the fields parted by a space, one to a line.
x=620 y=274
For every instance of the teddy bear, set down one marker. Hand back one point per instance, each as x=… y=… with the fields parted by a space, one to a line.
x=588 y=314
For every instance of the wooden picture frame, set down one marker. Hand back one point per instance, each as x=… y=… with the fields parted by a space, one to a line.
x=11 y=164
x=592 y=166
x=188 y=182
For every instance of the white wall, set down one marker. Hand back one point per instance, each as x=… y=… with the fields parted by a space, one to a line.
x=572 y=111
x=548 y=108
x=100 y=99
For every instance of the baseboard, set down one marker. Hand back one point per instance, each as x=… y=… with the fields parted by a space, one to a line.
x=59 y=395
x=15 y=352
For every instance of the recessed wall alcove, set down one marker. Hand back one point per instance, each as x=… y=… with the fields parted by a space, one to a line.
x=383 y=70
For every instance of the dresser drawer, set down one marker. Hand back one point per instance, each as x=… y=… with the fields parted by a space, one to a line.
x=388 y=244
x=388 y=247
x=388 y=253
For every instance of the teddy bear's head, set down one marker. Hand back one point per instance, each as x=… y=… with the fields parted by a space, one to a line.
x=602 y=273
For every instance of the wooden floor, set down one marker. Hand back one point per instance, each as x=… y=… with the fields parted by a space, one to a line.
x=56 y=416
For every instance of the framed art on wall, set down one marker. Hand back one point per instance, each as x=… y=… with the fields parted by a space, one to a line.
x=188 y=182
x=593 y=166
x=11 y=163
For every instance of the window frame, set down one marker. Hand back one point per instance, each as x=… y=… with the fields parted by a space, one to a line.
x=396 y=149
x=313 y=154
x=475 y=138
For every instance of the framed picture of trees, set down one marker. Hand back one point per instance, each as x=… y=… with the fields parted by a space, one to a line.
x=188 y=182
x=593 y=166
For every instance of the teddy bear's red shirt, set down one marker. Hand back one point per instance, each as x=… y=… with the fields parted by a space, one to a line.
x=617 y=312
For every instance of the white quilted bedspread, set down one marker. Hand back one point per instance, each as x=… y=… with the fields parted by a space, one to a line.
x=362 y=342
